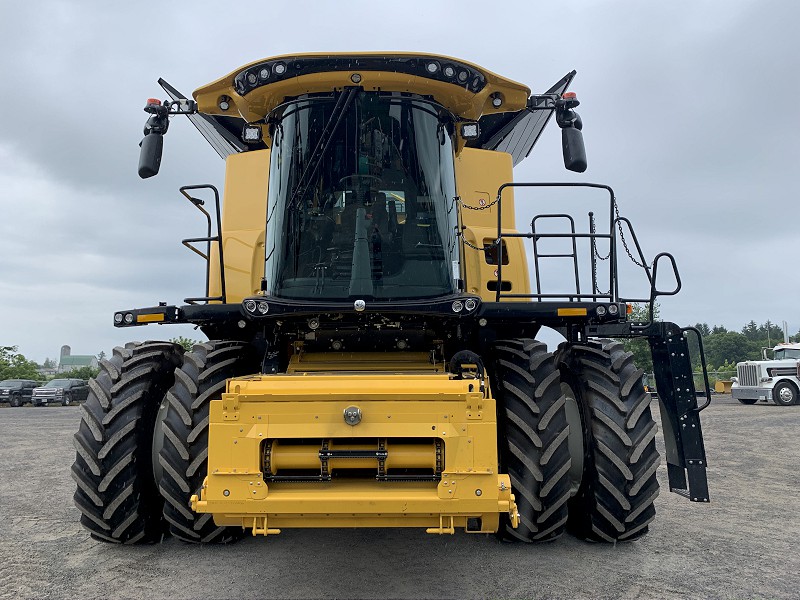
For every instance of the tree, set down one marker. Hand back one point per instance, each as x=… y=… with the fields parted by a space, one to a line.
x=751 y=331
x=14 y=365
x=101 y=356
x=718 y=329
x=49 y=363
x=79 y=373
x=640 y=349
x=731 y=347
x=187 y=343
x=703 y=328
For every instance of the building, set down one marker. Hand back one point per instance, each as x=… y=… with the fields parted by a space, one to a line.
x=69 y=361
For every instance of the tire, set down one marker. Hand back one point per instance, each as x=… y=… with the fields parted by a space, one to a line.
x=116 y=490
x=16 y=401
x=66 y=400
x=183 y=455
x=618 y=485
x=748 y=400
x=784 y=394
x=532 y=438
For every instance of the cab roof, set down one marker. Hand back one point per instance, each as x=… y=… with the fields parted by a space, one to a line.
x=465 y=89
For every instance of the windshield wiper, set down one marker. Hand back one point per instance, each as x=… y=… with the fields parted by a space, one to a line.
x=326 y=136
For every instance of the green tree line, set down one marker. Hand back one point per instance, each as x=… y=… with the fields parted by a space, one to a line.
x=723 y=348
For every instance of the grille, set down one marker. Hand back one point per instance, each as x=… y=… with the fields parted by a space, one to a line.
x=748 y=374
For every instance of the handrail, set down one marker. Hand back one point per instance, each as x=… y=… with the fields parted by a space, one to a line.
x=188 y=242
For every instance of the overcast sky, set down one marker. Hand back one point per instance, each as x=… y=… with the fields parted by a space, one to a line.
x=689 y=112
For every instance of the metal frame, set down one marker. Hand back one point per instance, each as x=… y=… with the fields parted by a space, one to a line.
x=188 y=242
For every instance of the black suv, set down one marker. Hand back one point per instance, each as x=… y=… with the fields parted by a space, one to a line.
x=17 y=391
x=60 y=391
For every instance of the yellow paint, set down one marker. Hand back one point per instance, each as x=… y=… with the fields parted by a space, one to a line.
x=420 y=407
x=153 y=318
x=244 y=217
x=571 y=312
x=464 y=103
x=479 y=174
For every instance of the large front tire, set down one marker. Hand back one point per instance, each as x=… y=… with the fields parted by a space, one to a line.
x=184 y=453
x=116 y=491
x=533 y=438
x=618 y=485
x=784 y=394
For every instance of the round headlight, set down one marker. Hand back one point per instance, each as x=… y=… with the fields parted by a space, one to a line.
x=336 y=345
x=250 y=306
x=118 y=318
x=457 y=306
x=432 y=67
x=601 y=311
x=463 y=76
x=129 y=318
x=224 y=103
x=251 y=78
x=264 y=73
x=482 y=322
x=263 y=307
x=613 y=309
x=470 y=304
x=279 y=69
x=449 y=71
x=497 y=101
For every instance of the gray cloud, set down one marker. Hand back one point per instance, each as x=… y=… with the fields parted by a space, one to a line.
x=686 y=106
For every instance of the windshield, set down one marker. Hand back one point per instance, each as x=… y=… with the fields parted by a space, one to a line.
x=8 y=384
x=786 y=353
x=361 y=199
x=57 y=383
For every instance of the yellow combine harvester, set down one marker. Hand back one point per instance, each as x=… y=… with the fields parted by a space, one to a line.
x=373 y=358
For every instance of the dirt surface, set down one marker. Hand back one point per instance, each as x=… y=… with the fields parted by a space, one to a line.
x=744 y=544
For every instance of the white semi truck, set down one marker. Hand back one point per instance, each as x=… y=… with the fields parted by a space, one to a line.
x=776 y=379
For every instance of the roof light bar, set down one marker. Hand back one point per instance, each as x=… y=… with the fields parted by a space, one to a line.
x=272 y=71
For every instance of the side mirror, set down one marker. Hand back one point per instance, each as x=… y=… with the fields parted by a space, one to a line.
x=151 y=146
x=574 y=150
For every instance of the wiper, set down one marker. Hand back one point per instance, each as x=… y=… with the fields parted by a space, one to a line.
x=326 y=136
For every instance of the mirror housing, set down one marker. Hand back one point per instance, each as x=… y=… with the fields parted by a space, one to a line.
x=573 y=149
x=151 y=146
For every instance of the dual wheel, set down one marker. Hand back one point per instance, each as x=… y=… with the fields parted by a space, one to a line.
x=143 y=440
x=577 y=439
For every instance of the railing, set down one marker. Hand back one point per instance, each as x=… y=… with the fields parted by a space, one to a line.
x=616 y=224
x=208 y=238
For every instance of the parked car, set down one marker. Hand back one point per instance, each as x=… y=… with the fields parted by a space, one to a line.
x=17 y=391
x=60 y=391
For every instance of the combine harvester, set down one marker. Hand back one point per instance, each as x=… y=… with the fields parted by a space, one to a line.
x=372 y=357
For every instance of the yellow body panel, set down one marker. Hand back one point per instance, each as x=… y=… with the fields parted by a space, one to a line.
x=244 y=217
x=408 y=406
x=479 y=174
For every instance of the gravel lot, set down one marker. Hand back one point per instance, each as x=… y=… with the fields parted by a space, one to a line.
x=744 y=544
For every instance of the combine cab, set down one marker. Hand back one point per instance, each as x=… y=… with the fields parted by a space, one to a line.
x=372 y=357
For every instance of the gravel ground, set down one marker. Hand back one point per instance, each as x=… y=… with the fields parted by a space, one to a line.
x=744 y=544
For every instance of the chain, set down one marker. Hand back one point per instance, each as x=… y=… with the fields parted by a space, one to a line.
x=622 y=237
x=485 y=207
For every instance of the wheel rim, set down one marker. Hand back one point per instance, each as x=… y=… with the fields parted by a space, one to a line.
x=575 y=438
x=786 y=395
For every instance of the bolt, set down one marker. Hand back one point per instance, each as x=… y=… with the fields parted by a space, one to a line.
x=478 y=492
x=226 y=492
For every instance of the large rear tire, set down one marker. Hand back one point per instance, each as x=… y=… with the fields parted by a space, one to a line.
x=184 y=454
x=618 y=485
x=532 y=438
x=117 y=493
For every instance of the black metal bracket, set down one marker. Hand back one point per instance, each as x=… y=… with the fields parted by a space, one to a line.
x=680 y=415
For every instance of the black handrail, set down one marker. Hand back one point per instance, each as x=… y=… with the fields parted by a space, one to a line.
x=188 y=242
